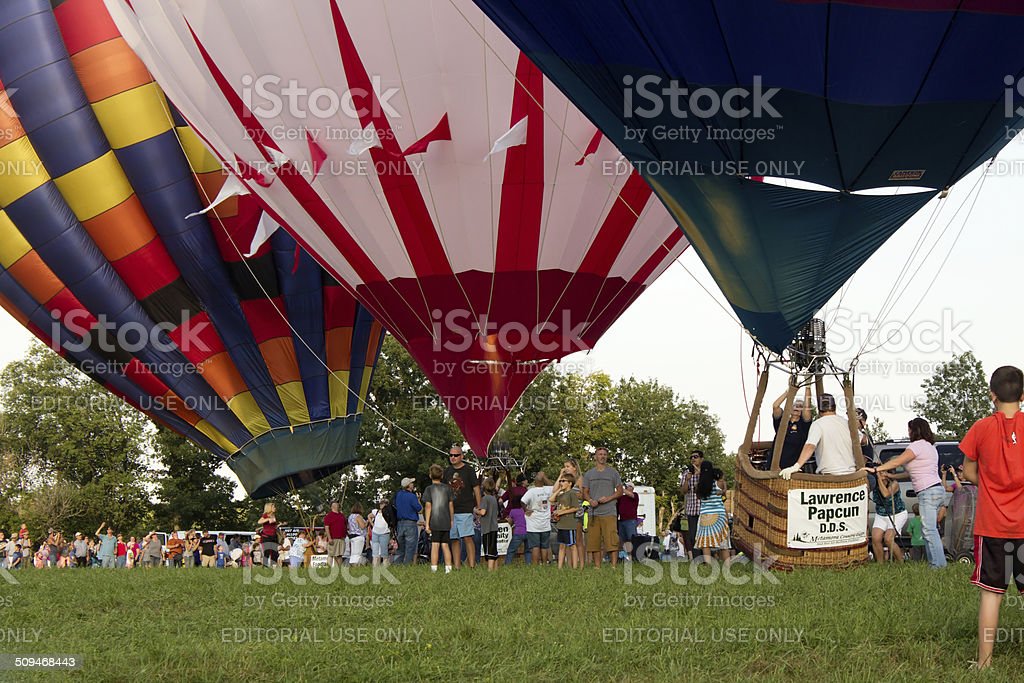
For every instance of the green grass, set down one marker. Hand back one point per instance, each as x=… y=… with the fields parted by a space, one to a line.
x=869 y=624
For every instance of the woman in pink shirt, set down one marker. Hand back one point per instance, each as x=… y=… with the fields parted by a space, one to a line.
x=921 y=461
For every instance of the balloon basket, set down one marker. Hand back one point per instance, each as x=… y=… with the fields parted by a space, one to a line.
x=760 y=517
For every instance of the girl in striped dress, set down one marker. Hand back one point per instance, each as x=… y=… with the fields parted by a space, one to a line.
x=713 y=523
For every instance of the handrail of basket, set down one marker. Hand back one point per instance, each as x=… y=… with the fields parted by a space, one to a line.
x=743 y=461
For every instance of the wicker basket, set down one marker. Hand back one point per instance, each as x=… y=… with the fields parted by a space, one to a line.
x=760 y=518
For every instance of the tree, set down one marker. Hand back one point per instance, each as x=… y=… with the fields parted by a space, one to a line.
x=955 y=396
x=190 y=493
x=877 y=430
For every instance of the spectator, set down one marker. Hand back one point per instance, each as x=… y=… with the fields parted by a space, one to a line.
x=108 y=547
x=921 y=461
x=192 y=555
x=121 y=555
x=81 y=550
x=380 y=533
x=890 y=518
x=488 y=514
x=256 y=551
x=797 y=427
x=567 y=503
x=320 y=544
x=570 y=466
x=537 y=508
x=691 y=503
x=627 y=506
x=15 y=559
x=994 y=451
x=439 y=513
x=466 y=488
x=23 y=534
x=828 y=440
x=356 y=534
x=408 y=508
x=268 y=534
x=152 y=552
x=712 y=525
x=602 y=487
x=517 y=519
x=336 y=528
x=298 y=550
x=134 y=552
x=916 y=538
x=175 y=549
x=208 y=550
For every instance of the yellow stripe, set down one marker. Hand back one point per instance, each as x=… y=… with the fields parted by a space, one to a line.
x=215 y=436
x=337 y=383
x=244 y=406
x=133 y=116
x=367 y=371
x=21 y=171
x=294 y=401
x=200 y=158
x=12 y=244
x=95 y=187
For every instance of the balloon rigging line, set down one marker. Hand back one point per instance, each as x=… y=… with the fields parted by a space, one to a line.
x=277 y=309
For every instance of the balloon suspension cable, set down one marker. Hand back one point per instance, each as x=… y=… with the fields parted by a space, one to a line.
x=278 y=310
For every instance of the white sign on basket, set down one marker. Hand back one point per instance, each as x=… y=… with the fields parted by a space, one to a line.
x=504 y=538
x=827 y=518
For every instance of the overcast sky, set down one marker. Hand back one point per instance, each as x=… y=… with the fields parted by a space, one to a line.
x=678 y=333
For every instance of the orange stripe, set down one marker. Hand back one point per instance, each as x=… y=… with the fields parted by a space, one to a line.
x=339 y=343
x=121 y=230
x=108 y=69
x=10 y=126
x=36 y=277
x=279 y=355
x=222 y=375
x=371 y=347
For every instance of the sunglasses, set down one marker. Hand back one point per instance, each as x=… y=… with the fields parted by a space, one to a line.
x=455 y=455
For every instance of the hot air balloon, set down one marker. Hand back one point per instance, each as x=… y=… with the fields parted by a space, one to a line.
x=105 y=255
x=426 y=162
x=851 y=96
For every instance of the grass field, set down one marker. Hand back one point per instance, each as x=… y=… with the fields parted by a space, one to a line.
x=870 y=624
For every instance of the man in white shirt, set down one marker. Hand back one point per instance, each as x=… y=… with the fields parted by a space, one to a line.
x=537 y=508
x=829 y=441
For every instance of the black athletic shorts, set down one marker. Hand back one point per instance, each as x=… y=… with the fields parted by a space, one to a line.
x=567 y=536
x=440 y=536
x=998 y=562
x=489 y=545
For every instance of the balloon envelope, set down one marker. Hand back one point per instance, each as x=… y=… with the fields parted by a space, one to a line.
x=426 y=162
x=850 y=95
x=263 y=361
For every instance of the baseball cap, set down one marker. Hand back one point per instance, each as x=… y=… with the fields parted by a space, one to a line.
x=407 y=481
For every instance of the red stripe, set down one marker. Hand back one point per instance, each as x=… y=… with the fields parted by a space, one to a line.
x=303 y=193
x=617 y=226
x=264 y=316
x=522 y=188
x=84 y=23
x=657 y=258
x=204 y=342
x=398 y=181
x=147 y=269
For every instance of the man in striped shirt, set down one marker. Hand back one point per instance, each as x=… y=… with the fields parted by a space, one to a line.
x=691 y=503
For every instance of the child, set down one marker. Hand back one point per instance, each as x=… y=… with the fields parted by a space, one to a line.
x=994 y=448
x=439 y=512
x=488 y=512
x=565 y=517
x=916 y=537
x=298 y=550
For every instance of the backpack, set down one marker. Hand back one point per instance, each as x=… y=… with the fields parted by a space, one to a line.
x=390 y=513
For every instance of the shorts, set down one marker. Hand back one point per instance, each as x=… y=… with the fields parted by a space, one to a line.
x=440 y=536
x=208 y=560
x=537 y=539
x=336 y=548
x=627 y=529
x=462 y=526
x=884 y=523
x=489 y=546
x=602 y=534
x=567 y=536
x=998 y=562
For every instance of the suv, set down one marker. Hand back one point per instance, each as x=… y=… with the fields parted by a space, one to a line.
x=949 y=454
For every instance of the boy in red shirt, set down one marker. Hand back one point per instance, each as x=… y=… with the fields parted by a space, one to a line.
x=994 y=448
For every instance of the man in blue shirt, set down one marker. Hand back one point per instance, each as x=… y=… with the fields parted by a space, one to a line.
x=407 y=508
x=108 y=547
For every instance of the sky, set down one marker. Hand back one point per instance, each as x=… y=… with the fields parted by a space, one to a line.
x=961 y=297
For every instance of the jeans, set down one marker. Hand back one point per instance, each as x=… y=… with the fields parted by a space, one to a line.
x=929 y=501
x=379 y=545
x=107 y=561
x=513 y=546
x=120 y=562
x=627 y=529
x=408 y=536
